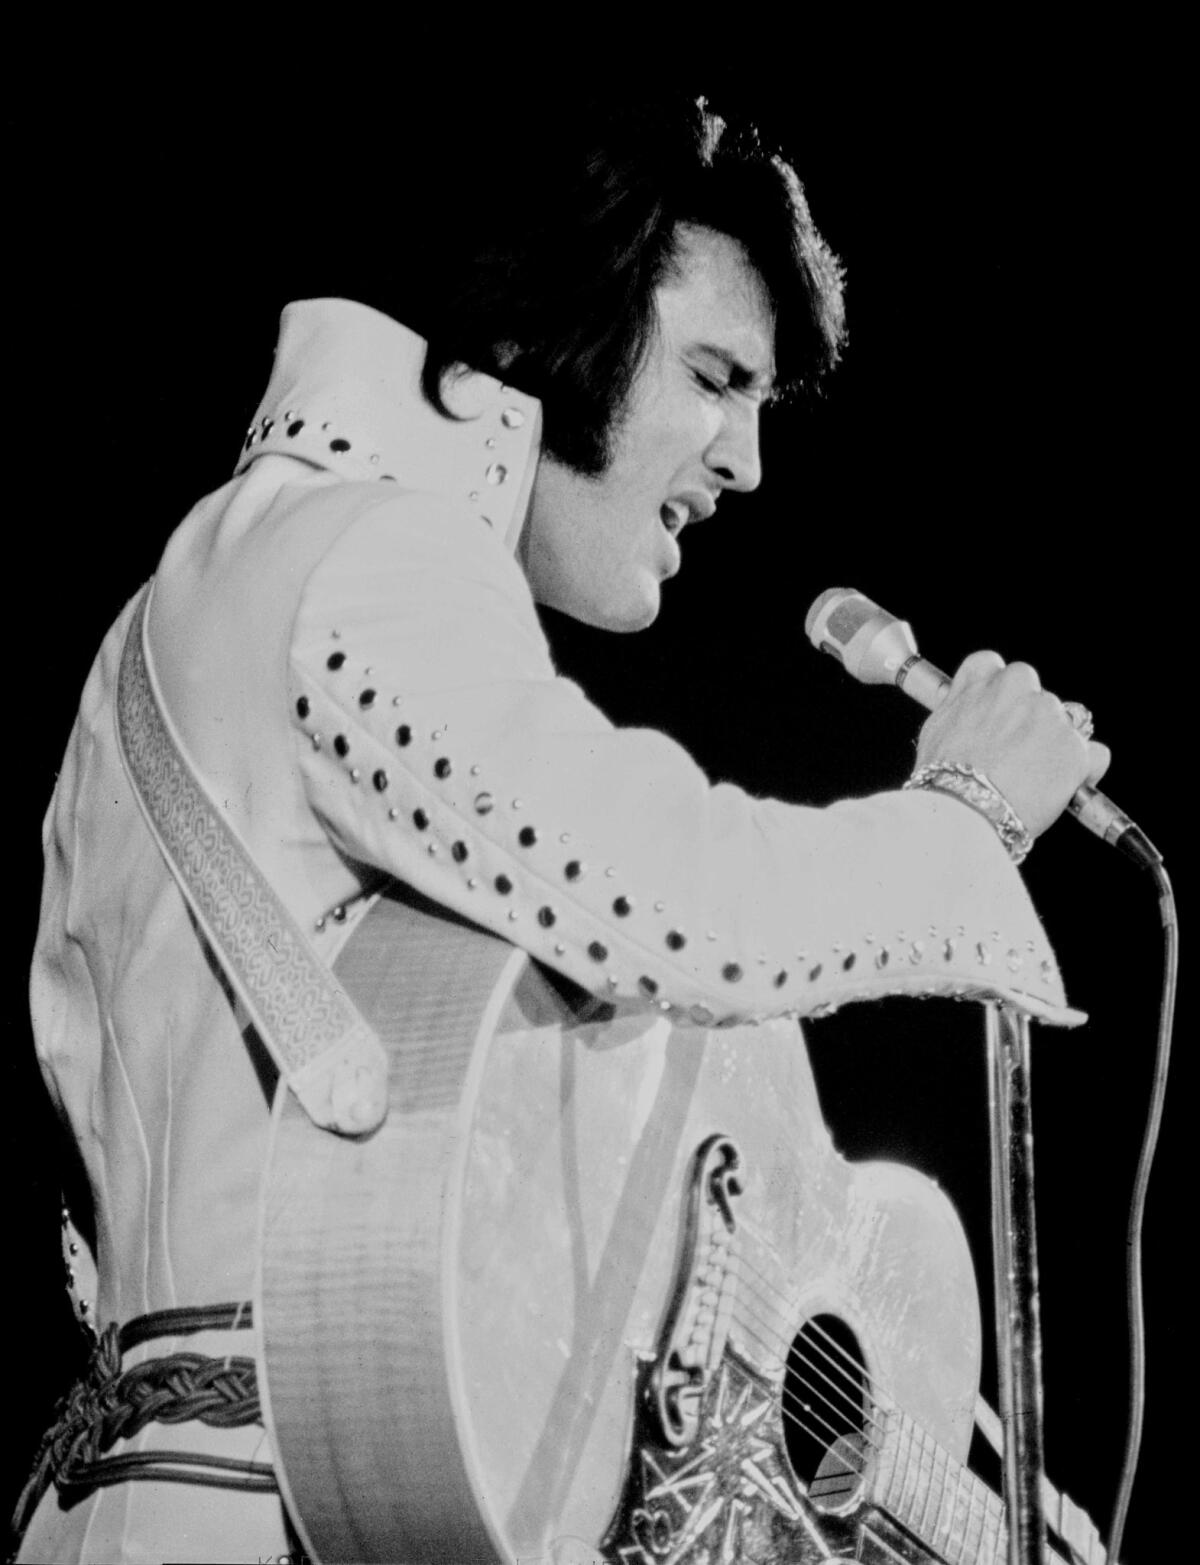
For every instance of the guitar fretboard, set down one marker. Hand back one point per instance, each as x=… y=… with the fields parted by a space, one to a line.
x=946 y=1505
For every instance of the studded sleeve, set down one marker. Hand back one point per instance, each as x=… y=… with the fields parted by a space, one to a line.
x=437 y=743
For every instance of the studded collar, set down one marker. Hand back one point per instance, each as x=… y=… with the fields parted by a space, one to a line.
x=345 y=396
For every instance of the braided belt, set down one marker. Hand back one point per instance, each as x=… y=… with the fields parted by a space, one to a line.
x=109 y=1404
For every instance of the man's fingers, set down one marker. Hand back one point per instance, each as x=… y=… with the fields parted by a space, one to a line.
x=1099 y=760
x=972 y=670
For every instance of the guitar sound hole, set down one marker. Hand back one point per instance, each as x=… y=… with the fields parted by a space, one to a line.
x=826 y=1412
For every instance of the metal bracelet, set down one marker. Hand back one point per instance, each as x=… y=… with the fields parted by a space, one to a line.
x=977 y=790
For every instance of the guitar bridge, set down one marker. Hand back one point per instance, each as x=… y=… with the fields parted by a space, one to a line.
x=697 y=1323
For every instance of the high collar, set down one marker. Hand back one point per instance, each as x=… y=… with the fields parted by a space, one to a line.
x=345 y=396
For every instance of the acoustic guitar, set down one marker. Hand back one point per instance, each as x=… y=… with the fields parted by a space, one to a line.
x=602 y=1290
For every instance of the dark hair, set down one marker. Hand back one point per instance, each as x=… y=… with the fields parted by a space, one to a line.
x=556 y=295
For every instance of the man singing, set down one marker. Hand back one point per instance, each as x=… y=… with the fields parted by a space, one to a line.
x=345 y=645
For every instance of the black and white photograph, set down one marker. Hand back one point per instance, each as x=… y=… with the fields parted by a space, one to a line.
x=525 y=1046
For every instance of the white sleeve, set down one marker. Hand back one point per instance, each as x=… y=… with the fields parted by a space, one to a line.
x=437 y=742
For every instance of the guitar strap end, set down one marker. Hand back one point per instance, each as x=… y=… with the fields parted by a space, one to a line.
x=345 y=1089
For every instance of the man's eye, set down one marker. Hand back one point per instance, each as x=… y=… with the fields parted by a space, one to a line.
x=715 y=386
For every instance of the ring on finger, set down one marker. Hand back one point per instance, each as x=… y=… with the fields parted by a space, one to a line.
x=1080 y=718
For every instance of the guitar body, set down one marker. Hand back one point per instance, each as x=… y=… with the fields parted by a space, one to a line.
x=464 y=1315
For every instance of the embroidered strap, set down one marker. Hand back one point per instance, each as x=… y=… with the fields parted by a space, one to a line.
x=108 y=1404
x=325 y=1051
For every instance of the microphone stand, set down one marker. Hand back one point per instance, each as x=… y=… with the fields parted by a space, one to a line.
x=1014 y=1247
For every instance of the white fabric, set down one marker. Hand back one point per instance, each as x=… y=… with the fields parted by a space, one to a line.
x=309 y=553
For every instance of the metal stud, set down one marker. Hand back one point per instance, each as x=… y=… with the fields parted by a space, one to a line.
x=380 y=779
x=459 y=852
x=547 y=917
x=496 y=473
x=512 y=418
x=339 y=913
x=484 y=804
x=355 y=774
x=393 y=814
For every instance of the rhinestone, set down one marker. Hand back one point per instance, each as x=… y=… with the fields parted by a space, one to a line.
x=574 y=869
x=490 y=442
x=622 y=907
x=598 y=952
x=1047 y=969
x=882 y=957
x=512 y=418
x=294 y=429
x=983 y=954
x=316 y=741
x=336 y=634
x=948 y=950
x=366 y=698
x=374 y=457
x=503 y=885
x=442 y=767
x=396 y=700
x=916 y=954
x=302 y=707
x=676 y=940
x=781 y=978
x=380 y=780
x=517 y=804
x=420 y=820
x=268 y=425
x=475 y=770
x=472 y=883
x=73 y=1248
x=559 y=948
x=496 y=473
x=527 y=836
x=484 y=804
x=702 y=1016
x=512 y=917
x=335 y=660
x=341 y=744
x=339 y=445
x=660 y=907
x=403 y=735
x=547 y=917
x=320 y=924
x=355 y=774
x=437 y=734
x=731 y=972
x=474 y=495
x=648 y=986
x=459 y=852
x=849 y=962
x=339 y=914
x=431 y=849
x=1015 y=961
x=710 y=934
x=815 y=972
x=393 y=814
x=564 y=837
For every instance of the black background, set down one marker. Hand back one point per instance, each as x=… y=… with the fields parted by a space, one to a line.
x=989 y=462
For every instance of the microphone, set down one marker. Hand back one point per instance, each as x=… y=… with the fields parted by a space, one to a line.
x=879 y=649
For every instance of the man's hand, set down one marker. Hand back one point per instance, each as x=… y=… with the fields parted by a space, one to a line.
x=998 y=719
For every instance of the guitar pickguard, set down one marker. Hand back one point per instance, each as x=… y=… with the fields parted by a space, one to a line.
x=731 y=1497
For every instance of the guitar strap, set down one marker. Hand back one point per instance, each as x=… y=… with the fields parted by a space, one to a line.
x=325 y=1050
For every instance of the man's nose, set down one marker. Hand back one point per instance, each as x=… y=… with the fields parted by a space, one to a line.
x=735 y=455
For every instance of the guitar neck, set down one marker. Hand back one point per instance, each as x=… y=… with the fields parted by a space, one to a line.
x=948 y=1507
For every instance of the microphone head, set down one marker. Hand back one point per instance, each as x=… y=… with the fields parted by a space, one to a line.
x=872 y=644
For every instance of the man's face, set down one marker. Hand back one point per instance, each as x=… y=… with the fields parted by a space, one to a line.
x=599 y=548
